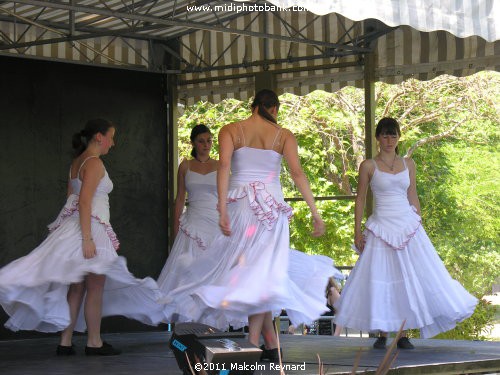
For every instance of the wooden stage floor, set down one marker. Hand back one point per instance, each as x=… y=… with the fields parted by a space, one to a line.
x=147 y=353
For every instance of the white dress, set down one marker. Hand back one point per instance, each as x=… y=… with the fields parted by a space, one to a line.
x=33 y=289
x=399 y=275
x=253 y=270
x=198 y=224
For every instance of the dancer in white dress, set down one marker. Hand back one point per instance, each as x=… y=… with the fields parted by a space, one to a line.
x=77 y=263
x=196 y=228
x=252 y=278
x=399 y=275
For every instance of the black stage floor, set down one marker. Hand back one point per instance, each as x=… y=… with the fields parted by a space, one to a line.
x=147 y=353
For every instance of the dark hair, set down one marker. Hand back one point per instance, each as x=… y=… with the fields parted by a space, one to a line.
x=82 y=139
x=197 y=130
x=266 y=99
x=388 y=125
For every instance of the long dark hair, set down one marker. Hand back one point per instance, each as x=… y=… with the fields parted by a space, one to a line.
x=196 y=131
x=82 y=139
x=266 y=99
x=390 y=126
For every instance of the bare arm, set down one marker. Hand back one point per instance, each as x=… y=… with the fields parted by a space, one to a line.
x=226 y=149
x=291 y=154
x=412 y=190
x=180 y=198
x=359 y=207
x=90 y=175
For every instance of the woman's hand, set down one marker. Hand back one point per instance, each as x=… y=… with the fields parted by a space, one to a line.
x=224 y=224
x=359 y=241
x=89 y=250
x=319 y=226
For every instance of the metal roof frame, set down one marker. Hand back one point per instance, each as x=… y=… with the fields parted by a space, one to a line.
x=74 y=23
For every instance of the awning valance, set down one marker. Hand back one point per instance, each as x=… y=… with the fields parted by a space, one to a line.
x=400 y=53
x=461 y=18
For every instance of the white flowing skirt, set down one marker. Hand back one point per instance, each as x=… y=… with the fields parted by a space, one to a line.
x=388 y=286
x=250 y=272
x=33 y=289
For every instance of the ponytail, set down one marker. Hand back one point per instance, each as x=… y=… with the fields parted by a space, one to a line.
x=264 y=100
x=82 y=139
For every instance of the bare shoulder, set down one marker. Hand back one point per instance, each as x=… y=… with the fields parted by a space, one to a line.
x=367 y=165
x=93 y=167
x=409 y=162
x=287 y=135
x=229 y=127
x=183 y=166
x=94 y=163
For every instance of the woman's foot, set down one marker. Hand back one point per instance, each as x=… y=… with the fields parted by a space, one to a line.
x=404 y=343
x=271 y=355
x=105 y=349
x=63 y=350
x=381 y=343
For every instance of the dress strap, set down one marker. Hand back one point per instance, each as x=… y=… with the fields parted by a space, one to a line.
x=242 y=134
x=81 y=165
x=375 y=164
x=404 y=163
x=276 y=137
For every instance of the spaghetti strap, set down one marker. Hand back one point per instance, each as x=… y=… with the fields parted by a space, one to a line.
x=242 y=134
x=81 y=165
x=404 y=163
x=276 y=137
x=375 y=164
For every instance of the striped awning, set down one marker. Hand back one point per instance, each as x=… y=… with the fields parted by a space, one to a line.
x=462 y=18
x=401 y=53
x=222 y=48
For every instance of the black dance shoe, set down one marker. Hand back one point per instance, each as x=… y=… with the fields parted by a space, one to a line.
x=380 y=343
x=271 y=355
x=65 y=350
x=105 y=349
x=404 y=343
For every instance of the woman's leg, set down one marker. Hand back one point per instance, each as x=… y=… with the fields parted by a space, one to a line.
x=255 y=324
x=93 y=308
x=269 y=331
x=338 y=330
x=75 y=297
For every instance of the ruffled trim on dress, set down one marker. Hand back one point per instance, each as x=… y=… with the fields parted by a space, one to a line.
x=191 y=232
x=264 y=205
x=395 y=235
x=70 y=208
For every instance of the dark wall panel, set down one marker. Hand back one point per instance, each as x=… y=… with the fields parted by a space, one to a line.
x=41 y=105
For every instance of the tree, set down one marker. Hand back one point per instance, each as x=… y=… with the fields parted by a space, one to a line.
x=450 y=127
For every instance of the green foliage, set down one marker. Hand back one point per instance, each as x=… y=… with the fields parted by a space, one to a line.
x=450 y=127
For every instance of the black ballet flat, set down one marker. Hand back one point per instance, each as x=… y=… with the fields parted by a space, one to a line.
x=404 y=343
x=271 y=355
x=63 y=350
x=381 y=343
x=105 y=349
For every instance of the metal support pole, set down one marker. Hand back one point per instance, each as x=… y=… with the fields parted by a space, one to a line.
x=370 y=142
x=265 y=80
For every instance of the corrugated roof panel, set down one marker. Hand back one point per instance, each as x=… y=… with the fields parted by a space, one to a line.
x=298 y=67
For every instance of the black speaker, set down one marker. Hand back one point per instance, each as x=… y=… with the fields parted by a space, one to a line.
x=213 y=352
